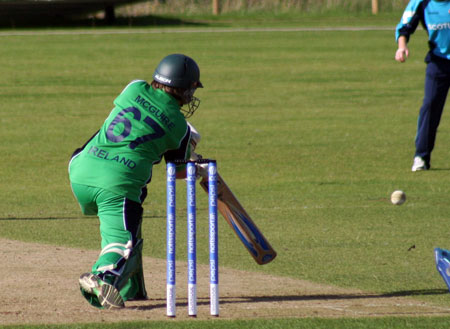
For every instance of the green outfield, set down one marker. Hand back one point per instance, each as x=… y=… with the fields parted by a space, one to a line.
x=312 y=129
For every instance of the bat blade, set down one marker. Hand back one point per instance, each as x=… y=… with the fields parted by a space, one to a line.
x=241 y=223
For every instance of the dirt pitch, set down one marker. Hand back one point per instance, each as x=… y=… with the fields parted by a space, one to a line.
x=39 y=286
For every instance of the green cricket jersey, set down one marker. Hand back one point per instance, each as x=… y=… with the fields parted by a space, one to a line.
x=144 y=125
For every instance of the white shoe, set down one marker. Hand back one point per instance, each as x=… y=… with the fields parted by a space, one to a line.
x=419 y=164
x=107 y=295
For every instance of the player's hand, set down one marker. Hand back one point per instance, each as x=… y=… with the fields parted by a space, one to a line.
x=401 y=55
x=195 y=136
x=195 y=156
x=202 y=168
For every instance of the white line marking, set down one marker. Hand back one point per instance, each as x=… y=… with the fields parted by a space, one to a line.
x=193 y=30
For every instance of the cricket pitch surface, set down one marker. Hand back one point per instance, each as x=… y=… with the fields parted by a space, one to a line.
x=39 y=285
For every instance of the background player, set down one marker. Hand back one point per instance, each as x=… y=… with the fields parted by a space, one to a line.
x=435 y=17
x=109 y=174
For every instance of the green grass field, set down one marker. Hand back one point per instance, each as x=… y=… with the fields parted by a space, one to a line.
x=312 y=130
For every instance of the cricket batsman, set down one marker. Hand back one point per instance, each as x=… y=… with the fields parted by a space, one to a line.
x=109 y=174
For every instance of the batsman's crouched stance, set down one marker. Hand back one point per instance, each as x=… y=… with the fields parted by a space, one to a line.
x=119 y=266
x=109 y=174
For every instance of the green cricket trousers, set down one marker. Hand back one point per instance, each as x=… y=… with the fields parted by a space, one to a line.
x=120 y=230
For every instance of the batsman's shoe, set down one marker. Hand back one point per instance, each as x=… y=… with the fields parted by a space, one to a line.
x=99 y=293
x=442 y=257
x=420 y=164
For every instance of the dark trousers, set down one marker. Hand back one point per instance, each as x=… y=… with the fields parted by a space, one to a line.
x=437 y=83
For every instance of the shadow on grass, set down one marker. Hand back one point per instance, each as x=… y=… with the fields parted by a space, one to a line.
x=64 y=22
x=420 y=292
x=287 y=298
x=63 y=217
x=298 y=298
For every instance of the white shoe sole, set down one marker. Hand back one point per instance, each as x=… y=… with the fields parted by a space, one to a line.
x=108 y=296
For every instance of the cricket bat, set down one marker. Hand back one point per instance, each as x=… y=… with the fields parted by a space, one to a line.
x=241 y=223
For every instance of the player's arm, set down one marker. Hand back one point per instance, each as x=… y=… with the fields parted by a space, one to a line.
x=194 y=138
x=402 y=52
x=412 y=16
x=185 y=150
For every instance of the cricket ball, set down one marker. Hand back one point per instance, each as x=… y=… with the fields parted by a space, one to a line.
x=398 y=197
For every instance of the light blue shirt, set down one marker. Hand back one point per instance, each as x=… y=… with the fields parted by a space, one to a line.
x=434 y=15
